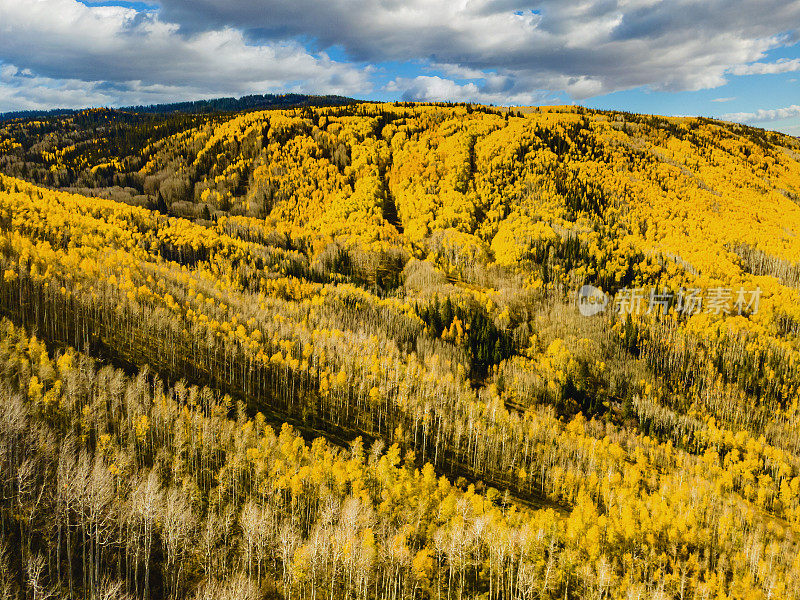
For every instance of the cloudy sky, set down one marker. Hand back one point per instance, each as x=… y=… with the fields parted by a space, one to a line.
x=734 y=59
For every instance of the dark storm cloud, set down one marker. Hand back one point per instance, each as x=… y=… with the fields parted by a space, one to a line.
x=584 y=48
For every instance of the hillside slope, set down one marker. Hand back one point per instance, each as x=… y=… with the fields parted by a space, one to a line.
x=404 y=275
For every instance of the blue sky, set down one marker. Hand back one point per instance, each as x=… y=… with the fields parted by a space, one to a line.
x=738 y=60
x=742 y=94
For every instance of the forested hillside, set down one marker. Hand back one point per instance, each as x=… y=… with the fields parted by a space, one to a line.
x=337 y=353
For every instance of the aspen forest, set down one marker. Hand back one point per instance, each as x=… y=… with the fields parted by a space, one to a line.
x=336 y=353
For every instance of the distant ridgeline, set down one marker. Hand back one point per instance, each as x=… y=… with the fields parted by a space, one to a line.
x=253 y=102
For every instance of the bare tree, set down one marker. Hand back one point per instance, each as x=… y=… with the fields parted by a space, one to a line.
x=256 y=524
x=6 y=575
x=146 y=507
x=288 y=542
x=35 y=568
x=180 y=524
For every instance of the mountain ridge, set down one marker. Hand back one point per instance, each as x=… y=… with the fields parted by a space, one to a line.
x=220 y=104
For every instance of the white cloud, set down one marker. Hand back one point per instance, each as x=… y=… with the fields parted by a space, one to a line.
x=123 y=56
x=33 y=93
x=27 y=92
x=784 y=65
x=490 y=88
x=763 y=115
x=729 y=99
x=425 y=88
